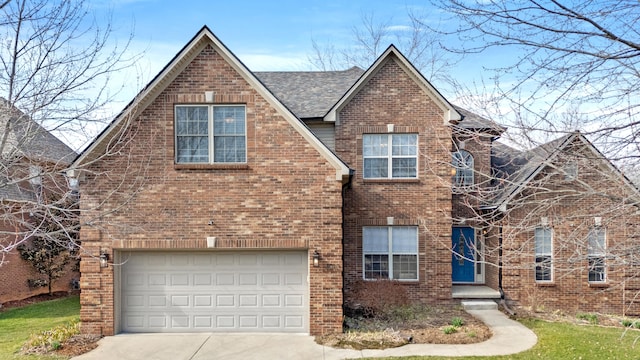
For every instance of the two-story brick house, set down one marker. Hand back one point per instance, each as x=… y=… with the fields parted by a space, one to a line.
x=32 y=171
x=228 y=200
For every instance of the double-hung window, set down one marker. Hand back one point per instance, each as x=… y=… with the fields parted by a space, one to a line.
x=390 y=156
x=597 y=251
x=207 y=134
x=544 y=254
x=390 y=252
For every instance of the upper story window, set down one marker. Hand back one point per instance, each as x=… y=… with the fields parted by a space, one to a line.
x=390 y=252
x=597 y=242
x=543 y=237
x=207 y=134
x=390 y=156
x=462 y=161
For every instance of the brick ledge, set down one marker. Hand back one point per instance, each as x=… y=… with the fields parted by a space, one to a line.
x=219 y=244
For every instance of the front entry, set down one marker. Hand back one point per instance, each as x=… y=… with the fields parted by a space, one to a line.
x=463 y=255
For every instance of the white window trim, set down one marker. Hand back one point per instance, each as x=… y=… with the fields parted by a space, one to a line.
x=390 y=254
x=597 y=254
x=390 y=157
x=550 y=254
x=210 y=133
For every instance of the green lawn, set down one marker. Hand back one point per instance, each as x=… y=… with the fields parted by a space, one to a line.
x=17 y=324
x=569 y=341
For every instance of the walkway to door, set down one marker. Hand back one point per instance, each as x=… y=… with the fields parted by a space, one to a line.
x=473 y=292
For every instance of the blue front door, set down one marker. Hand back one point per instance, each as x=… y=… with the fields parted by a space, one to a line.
x=463 y=255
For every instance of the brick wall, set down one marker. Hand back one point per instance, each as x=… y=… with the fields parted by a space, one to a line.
x=286 y=196
x=14 y=273
x=393 y=97
x=570 y=208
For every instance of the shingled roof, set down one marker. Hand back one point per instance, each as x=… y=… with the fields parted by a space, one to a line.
x=515 y=168
x=309 y=94
x=27 y=138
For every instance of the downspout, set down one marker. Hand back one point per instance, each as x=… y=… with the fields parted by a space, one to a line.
x=500 y=263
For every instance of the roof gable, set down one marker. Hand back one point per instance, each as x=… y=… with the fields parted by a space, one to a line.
x=169 y=73
x=523 y=167
x=393 y=54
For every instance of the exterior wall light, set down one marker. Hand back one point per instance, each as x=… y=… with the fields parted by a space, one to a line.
x=316 y=258
x=104 y=259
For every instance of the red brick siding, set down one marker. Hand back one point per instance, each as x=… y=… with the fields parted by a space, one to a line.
x=286 y=196
x=570 y=208
x=391 y=96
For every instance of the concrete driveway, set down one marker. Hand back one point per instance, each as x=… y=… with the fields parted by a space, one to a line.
x=213 y=346
x=509 y=337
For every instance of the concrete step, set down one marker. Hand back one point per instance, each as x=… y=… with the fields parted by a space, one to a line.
x=479 y=305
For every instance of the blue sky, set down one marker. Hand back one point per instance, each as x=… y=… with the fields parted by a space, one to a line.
x=265 y=35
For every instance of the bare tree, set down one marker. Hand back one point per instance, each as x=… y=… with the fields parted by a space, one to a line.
x=55 y=64
x=573 y=66
x=373 y=35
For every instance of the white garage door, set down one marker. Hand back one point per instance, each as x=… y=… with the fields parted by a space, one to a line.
x=214 y=292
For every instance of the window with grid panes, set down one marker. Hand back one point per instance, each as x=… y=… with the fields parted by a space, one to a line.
x=207 y=134
x=390 y=252
x=390 y=156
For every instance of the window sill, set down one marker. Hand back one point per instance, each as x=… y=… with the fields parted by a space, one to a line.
x=599 y=285
x=391 y=181
x=545 y=284
x=211 y=166
x=401 y=281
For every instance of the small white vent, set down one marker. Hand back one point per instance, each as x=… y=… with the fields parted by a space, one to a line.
x=211 y=241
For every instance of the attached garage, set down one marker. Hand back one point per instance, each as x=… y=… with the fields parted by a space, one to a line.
x=206 y=291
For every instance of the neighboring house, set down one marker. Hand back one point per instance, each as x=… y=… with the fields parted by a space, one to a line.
x=32 y=164
x=227 y=200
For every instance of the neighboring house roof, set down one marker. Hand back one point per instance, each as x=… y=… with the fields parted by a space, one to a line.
x=28 y=138
x=515 y=169
x=309 y=94
x=203 y=38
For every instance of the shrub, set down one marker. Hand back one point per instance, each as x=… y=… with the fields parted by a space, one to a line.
x=51 y=339
x=36 y=283
x=457 y=321
x=626 y=322
x=450 y=329
x=591 y=318
x=379 y=298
